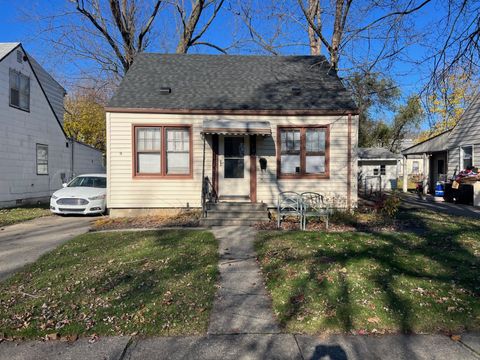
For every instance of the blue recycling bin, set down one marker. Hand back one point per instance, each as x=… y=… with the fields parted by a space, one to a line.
x=439 y=189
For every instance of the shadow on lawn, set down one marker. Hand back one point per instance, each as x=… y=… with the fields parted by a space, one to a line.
x=397 y=255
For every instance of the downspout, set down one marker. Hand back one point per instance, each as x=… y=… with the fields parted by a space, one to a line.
x=72 y=167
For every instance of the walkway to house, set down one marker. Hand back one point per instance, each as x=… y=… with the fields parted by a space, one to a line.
x=415 y=201
x=241 y=304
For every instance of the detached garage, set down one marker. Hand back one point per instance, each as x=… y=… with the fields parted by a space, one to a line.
x=377 y=170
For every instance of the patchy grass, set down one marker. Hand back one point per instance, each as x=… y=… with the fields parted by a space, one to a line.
x=423 y=280
x=153 y=283
x=24 y=213
x=190 y=218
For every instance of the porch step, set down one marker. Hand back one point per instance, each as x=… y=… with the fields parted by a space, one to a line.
x=234 y=214
x=208 y=222
x=237 y=206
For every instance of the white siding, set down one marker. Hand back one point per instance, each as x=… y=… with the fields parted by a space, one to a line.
x=20 y=131
x=127 y=192
x=86 y=159
x=388 y=181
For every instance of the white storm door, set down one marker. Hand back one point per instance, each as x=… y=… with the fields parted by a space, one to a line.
x=234 y=167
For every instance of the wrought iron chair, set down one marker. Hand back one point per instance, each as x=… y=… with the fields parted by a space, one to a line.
x=289 y=203
x=314 y=205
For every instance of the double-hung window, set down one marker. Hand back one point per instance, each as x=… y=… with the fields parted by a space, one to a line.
x=19 y=90
x=466 y=153
x=42 y=159
x=303 y=152
x=162 y=151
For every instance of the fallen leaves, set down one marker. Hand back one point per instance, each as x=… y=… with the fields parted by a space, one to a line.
x=373 y=320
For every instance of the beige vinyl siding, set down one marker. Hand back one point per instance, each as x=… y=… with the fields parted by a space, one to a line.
x=335 y=188
x=124 y=191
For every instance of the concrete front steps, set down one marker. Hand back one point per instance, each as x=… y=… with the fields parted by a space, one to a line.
x=234 y=214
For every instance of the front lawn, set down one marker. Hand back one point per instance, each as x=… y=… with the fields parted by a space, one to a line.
x=150 y=283
x=24 y=213
x=426 y=279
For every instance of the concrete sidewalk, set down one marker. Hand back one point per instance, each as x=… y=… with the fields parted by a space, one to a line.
x=241 y=305
x=252 y=346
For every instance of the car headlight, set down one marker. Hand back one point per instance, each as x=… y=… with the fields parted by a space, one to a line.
x=98 y=197
x=54 y=197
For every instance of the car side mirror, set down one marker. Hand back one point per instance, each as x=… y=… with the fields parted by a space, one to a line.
x=64 y=185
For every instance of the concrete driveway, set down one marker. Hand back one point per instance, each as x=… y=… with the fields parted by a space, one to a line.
x=24 y=243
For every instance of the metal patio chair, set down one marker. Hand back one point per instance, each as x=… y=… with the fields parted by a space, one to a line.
x=314 y=205
x=289 y=203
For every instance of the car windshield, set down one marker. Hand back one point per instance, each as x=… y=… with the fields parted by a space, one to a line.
x=89 y=181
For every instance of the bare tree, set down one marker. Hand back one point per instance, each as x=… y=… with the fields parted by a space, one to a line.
x=109 y=34
x=314 y=12
x=188 y=36
x=124 y=16
x=342 y=14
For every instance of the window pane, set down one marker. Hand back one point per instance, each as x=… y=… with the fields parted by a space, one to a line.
x=290 y=140
x=383 y=170
x=42 y=169
x=178 y=139
x=14 y=97
x=315 y=164
x=42 y=153
x=24 y=101
x=234 y=169
x=290 y=164
x=148 y=139
x=234 y=147
x=178 y=163
x=148 y=163
x=315 y=140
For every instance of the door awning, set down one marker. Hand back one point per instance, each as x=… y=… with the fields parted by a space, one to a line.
x=236 y=127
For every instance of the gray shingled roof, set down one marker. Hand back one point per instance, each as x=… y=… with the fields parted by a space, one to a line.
x=434 y=144
x=232 y=82
x=376 y=154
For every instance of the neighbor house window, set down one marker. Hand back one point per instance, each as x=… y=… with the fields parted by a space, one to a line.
x=42 y=159
x=415 y=167
x=466 y=153
x=19 y=90
x=383 y=170
x=162 y=151
x=303 y=151
x=375 y=171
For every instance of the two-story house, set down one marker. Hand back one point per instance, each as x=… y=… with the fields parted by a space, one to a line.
x=36 y=155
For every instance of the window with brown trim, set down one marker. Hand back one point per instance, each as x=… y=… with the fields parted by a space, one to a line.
x=303 y=152
x=162 y=151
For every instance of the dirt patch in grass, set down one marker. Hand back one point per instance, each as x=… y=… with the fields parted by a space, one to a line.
x=24 y=213
x=189 y=218
x=150 y=283
x=378 y=282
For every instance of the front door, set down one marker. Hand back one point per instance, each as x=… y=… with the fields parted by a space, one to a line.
x=234 y=168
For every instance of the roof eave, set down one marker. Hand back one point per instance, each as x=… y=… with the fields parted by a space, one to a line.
x=290 y=112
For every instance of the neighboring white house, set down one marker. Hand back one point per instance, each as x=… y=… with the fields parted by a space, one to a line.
x=36 y=156
x=448 y=153
x=254 y=125
x=377 y=169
